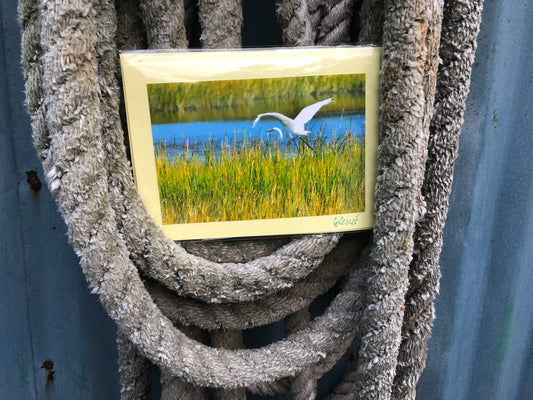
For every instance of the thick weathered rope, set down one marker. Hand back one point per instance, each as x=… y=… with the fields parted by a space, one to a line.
x=315 y=372
x=130 y=32
x=272 y=308
x=132 y=364
x=336 y=23
x=108 y=269
x=296 y=22
x=89 y=88
x=461 y=23
x=293 y=275
x=220 y=13
x=401 y=160
x=371 y=22
x=162 y=259
x=70 y=59
x=316 y=13
x=303 y=386
x=173 y=388
x=228 y=339
x=165 y=23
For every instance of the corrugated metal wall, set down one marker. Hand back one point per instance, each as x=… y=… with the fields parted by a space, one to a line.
x=46 y=311
x=482 y=345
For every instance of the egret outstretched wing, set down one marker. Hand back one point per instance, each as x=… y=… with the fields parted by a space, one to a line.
x=282 y=118
x=296 y=126
x=308 y=112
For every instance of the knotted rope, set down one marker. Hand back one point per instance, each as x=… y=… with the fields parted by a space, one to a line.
x=70 y=67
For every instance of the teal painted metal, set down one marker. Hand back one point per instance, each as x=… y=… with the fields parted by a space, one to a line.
x=46 y=311
x=482 y=346
x=15 y=341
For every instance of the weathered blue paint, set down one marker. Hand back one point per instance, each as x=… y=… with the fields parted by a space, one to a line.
x=15 y=341
x=46 y=311
x=482 y=345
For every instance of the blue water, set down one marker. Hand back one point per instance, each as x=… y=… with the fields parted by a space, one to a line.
x=335 y=124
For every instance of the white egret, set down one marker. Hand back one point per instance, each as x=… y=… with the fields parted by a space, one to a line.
x=281 y=137
x=295 y=127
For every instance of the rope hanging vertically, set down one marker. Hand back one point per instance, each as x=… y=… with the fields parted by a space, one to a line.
x=460 y=28
x=163 y=294
x=401 y=162
x=336 y=22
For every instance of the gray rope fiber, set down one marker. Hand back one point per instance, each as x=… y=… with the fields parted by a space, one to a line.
x=296 y=22
x=246 y=315
x=237 y=251
x=316 y=13
x=303 y=386
x=401 y=160
x=163 y=260
x=69 y=56
x=371 y=27
x=461 y=22
x=255 y=277
x=173 y=388
x=138 y=315
x=160 y=258
x=335 y=25
x=313 y=373
x=221 y=22
x=114 y=287
x=165 y=23
x=132 y=364
x=228 y=339
x=130 y=32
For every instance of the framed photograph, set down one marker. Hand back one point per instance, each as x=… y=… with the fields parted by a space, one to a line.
x=254 y=142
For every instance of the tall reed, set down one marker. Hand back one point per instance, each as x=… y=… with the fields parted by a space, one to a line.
x=244 y=178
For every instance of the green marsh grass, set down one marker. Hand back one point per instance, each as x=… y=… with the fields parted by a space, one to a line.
x=260 y=179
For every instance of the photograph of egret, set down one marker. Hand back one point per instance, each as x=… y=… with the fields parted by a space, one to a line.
x=234 y=150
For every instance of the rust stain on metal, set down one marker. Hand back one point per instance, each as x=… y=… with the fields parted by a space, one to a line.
x=33 y=180
x=48 y=366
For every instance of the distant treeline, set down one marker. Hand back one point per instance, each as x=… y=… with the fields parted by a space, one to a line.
x=241 y=99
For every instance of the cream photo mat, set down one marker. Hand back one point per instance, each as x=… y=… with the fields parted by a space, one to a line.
x=140 y=69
